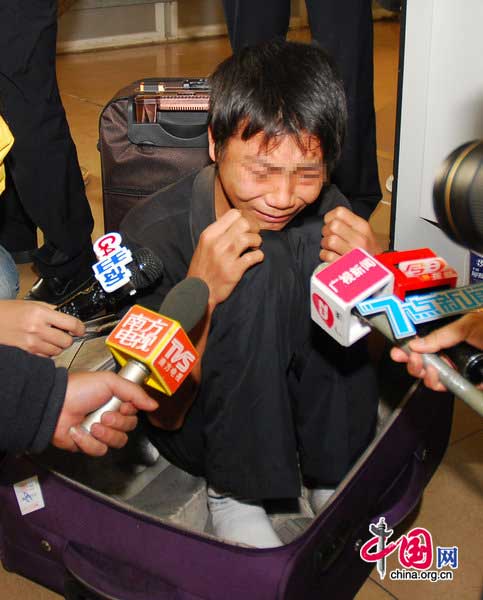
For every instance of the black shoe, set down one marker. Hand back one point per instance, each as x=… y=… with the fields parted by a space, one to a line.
x=56 y=290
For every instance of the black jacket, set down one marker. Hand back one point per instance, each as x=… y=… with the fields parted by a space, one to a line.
x=32 y=393
x=170 y=223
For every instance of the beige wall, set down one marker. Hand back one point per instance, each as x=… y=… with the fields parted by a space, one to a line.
x=88 y=19
x=82 y=23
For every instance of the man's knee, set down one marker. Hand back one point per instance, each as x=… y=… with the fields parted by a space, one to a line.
x=274 y=289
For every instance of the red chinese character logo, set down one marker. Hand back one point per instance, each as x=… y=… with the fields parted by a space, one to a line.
x=323 y=309
x=416 y=549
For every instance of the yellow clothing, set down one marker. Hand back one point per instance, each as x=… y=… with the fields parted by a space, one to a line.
x=6 y=141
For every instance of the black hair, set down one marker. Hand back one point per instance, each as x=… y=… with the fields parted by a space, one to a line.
x=279 y=88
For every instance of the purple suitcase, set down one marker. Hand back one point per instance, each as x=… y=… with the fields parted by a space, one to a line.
x=89 y=544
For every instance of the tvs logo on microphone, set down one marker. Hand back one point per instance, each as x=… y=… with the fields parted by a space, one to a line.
x=178 y=356
x=175 y=360
x=323 y=309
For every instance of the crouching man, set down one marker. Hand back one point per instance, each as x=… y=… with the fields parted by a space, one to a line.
x=276 y=403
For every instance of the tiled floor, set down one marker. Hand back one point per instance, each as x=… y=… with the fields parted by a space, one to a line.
x=452 y=508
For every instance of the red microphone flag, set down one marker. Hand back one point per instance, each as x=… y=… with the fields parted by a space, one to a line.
x=157 y=342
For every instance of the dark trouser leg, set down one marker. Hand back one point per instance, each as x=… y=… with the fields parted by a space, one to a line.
x=334 y=389
x=335 y=400
x=239 y=433
x=250 y=22
x=252 y=412
x=42 y=164
x=18 y=232
x=344 y=29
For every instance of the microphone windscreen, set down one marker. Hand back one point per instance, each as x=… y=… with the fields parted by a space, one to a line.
x=186 y=302
x=145 y=269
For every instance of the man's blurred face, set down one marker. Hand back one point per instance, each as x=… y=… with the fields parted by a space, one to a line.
x=271 y=183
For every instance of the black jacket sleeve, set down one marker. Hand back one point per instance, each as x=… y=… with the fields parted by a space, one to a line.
x=31 y=398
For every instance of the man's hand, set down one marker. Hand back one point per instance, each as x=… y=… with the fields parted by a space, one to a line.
x=85 y=393
x=36 y=327
x=468 y=329
x=227 y=248
x=342 y=231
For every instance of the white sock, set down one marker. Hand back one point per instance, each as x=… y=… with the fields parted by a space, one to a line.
x=240 y=520
x=319 y=497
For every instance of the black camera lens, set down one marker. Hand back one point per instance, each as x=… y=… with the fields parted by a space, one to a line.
x=458 y=195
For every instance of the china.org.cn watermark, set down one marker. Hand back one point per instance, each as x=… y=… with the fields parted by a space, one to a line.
x=415 y=551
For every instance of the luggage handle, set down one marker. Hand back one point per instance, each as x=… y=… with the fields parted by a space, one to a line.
x=155 y=134
x=105 y=578
x=327 y=554
x=412 y=493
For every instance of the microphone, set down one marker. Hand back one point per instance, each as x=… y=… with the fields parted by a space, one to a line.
x=153 y=348
x=336 y=289
x=418 y=270
x=421 y=270
x=450 y=378
x=145 y=269
x=347 y=297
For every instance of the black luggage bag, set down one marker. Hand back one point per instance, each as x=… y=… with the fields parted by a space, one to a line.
x=151 y=133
